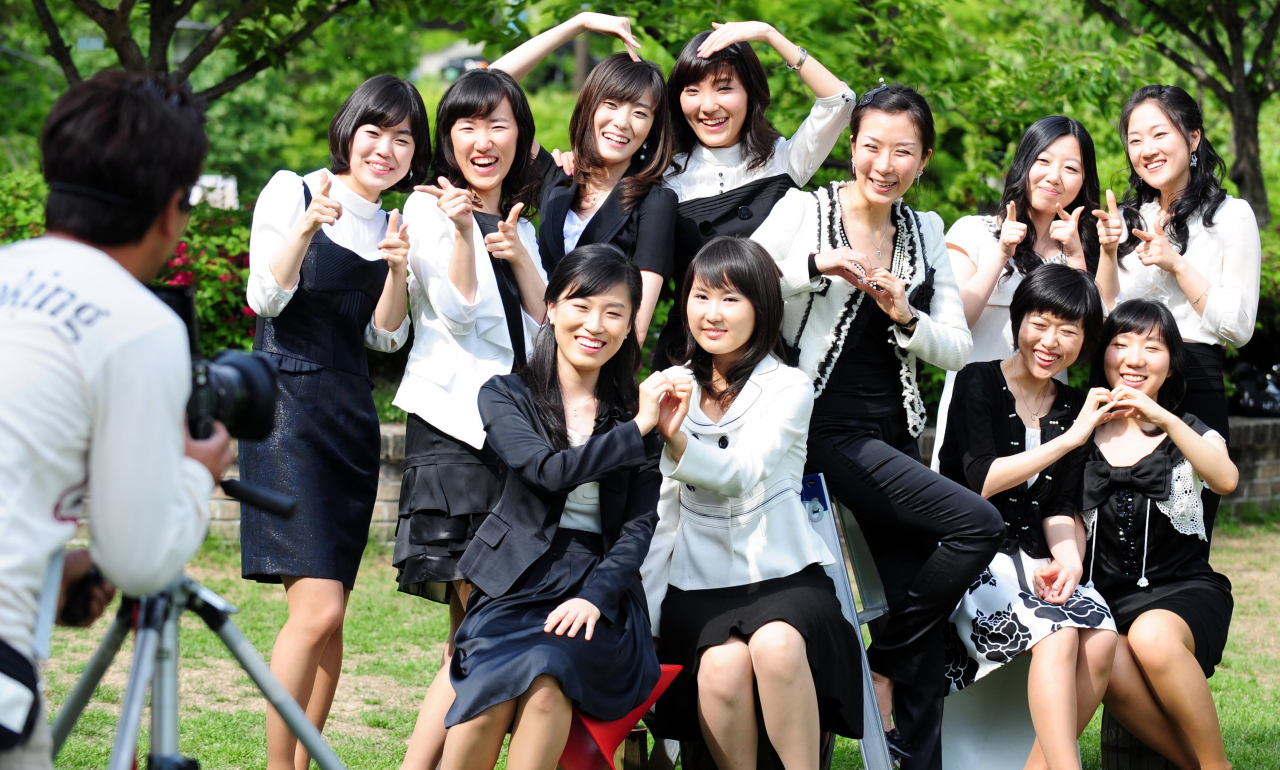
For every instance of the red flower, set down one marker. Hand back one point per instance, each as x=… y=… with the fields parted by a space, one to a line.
x=224 y=277
x=182 y=249
x=253 y=331
x=177 y=262
x=181 y=279
x=248 y=312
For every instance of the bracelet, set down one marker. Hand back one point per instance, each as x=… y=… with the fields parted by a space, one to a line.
x=1196 y=301
x=804 y=55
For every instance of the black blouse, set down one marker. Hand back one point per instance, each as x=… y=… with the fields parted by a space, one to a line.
x=984 y=425
x=646 y=233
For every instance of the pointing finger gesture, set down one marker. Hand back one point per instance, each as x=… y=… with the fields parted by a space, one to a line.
x=1066 y=231
x=1110 y=225
x=395 y=247
x=1011 y=231
x=453 y=202
x=323 y=209
x=1155 y=249
x=506 y=243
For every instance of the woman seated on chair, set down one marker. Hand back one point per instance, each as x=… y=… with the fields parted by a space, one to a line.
x=1020 y=442
x=557 y=618
x=734 y=576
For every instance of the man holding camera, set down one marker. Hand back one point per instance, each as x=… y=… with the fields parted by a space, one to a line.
x=96 y=377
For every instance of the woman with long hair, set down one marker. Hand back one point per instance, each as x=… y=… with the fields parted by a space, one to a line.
x=869 y=291
x=475 y=291
x=557 y=619
x=1146 y=473
x=327 y=274
x=620 y=133
x=734 y=577
x=1045 y=216
x=1179 y=239
x=1020 y=442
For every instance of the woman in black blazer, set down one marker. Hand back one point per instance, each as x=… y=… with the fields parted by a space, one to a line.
x=611 y=191
x=557 y=618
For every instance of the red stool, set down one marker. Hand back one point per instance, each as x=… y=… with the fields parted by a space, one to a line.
x=592 y=743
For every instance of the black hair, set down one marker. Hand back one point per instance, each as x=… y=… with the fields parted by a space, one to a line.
x=1204 y=193
x=1141 y=316
x=1064 y=292
x=729 y=263
x=1036 y=140
x=476 y=94
x=896 y=100
x=758 y=136
x=618 y=77
x=587 y=271
x=115 y=148
x=383 y=101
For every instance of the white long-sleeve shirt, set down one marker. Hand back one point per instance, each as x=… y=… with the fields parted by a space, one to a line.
x=93 y=399
x=362 y=226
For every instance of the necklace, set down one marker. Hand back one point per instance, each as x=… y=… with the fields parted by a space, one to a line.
x=878 y=244
x=575 y=409
x=1036 y=414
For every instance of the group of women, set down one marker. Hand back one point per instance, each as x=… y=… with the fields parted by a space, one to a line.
x=584 y=529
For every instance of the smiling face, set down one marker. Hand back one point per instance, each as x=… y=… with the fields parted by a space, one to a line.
x=485 y=147
x=1138 y=359
x=1057 y=175
x=1158 y=150
x=1048 y=344
x=381 y=156
x=620 y=128
x=721 y=320
x=590 y=330
x=887 y=155
x=716 y=108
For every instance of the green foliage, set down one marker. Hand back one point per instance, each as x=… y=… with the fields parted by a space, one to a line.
x=22 y=195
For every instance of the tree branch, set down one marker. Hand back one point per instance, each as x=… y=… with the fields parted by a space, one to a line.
x=1266 y=44
x=264 y=61
x=1113 y=15
x=117 y=32
x=1208 y=45
x=163 y=23
x=57 y=46
x=215 y=36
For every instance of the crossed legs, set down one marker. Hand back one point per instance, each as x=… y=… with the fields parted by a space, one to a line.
x=1070 y=666
x=539 y=723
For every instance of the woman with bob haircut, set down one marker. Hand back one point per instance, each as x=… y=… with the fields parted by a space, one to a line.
x=1020 y=442
x=870 y=291
x=327 y=274
x=1045 y=216
x=475 y=291
x=557 y=619
x=620 y=133
x=1194 y=248
x=734 y=577
x=1148 y=528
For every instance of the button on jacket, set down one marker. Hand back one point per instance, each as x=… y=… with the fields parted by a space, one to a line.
x=730 y=512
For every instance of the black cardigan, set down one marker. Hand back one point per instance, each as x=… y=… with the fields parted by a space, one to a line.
x=983 y=425
x=536 y=479
x=646 y=233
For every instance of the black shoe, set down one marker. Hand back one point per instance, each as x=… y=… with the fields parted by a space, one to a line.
x=897 y=746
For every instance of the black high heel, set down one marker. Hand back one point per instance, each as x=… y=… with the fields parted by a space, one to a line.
x=897 y=745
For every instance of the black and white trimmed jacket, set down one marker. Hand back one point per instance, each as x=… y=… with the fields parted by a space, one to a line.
x=820 y=311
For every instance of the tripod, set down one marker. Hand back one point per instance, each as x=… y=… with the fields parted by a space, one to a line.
x=155 y=664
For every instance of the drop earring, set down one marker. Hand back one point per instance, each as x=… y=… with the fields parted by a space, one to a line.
x=1195 y=160
x=853 y=172
x=644 y=148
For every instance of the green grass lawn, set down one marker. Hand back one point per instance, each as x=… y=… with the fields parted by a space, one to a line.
x=393 y=645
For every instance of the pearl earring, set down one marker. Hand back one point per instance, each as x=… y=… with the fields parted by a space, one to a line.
x=643 y=148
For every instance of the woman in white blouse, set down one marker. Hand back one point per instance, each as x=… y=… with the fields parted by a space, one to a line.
x=475 y=290
x=1183 y=242
x=1045 y=215
x=734 y=576
x=326 y=278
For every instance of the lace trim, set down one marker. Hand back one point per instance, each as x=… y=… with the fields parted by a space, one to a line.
x=1184 y=506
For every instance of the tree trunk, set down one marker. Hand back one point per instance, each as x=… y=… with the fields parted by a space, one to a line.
x=581 y=60
x=1246 y=172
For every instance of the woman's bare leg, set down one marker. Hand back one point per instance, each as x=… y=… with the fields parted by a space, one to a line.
x=316 y=610
x=1051 y=698
x=427 y=742
x=1129 y=699
x=476 y=743
x=541 y=728
x=726 y=704
x=325 y=688
x=788 y=699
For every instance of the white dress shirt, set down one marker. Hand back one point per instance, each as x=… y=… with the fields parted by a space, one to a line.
x=730 y=512
x=1228 y=255
x=574 y=226
x=710 y=171
x=362 y=226
x=96 y=380
x=457 y=345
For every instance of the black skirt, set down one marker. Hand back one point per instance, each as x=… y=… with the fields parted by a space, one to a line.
x=501 y=647
x=692 y=621
x=1204 y=603
x=446 y=493
x=324 y=451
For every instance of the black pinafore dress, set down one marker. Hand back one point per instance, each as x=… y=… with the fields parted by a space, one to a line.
x=325 y=447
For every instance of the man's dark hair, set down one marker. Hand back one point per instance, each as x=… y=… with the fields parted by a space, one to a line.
x=116 y=147
x=383 y=101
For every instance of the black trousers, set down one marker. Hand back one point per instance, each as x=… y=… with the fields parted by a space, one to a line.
x=931 y=538
x=1206 y=398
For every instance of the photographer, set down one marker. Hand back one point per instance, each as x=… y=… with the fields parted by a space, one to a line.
x=96 y=377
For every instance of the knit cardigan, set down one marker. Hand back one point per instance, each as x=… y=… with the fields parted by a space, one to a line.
x=820 y=311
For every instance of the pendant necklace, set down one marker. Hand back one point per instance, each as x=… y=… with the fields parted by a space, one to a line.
x=1027 y=402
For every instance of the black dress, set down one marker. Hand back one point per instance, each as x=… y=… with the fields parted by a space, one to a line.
x=325 y=447
x=1140 y=560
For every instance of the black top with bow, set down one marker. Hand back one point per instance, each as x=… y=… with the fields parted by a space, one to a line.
x=984 y=425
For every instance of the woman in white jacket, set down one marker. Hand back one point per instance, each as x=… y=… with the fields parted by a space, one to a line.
x=734 y=580
x=839 y=247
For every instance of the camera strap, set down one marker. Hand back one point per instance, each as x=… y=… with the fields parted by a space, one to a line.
x=18 y=697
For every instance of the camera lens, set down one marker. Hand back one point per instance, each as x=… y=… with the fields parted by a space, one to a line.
x=242 y=393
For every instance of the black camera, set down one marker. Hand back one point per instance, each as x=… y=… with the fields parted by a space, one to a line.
x=234 y=388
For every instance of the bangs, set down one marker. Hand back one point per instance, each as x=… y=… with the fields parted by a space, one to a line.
x=1142 y=317
x=471 y=96
x=722 y=64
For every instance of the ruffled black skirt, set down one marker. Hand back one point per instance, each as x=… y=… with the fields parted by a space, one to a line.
x=446 y=493
x=692 y=621
x=501 y=647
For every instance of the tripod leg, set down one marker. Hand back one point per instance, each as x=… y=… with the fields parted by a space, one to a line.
x=151 y=613
x=93 y=672
x=164 y=687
